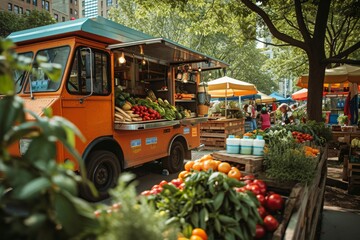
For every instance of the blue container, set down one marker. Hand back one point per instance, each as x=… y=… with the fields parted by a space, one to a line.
x=333 y=118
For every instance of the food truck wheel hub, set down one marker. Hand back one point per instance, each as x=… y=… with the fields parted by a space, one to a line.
x=102 y=169
x=175 y=161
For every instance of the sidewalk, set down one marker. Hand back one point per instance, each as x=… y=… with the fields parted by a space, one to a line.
x=340 y=224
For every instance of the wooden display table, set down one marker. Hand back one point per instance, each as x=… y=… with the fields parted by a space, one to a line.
x=213 y=133
x=248 y=163
x=345 y=137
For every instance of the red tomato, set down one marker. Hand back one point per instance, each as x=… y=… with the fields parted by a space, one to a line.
x=270 y=223
x=274 y=202
x=261 y=184
x=155 y=186
x=261 y=199
x=247 y=182
x=240 y=189
x=248 y=177
x=262 y=212
x=177 y=182
x=163 y=182
x=255 y=189
x=260 y=231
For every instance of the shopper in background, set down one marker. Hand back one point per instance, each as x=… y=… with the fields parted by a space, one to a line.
x=265 y=119
x=252 y=111
x=286 y=114
x=354 y=109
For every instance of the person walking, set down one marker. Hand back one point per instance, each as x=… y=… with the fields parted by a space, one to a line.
x=264 y=118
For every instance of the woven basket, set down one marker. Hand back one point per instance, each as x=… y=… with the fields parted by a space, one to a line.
x=203 y=109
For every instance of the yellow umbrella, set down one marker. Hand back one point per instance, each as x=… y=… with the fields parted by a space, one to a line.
x=265 y=98
x=337 y=77
x=230 y=87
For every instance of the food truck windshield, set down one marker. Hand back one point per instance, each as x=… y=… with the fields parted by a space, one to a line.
x=38 y=80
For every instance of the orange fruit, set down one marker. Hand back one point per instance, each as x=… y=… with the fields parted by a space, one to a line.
x=189 y=165
x=197 y=166
x=234 y=173
x=224 y=167
x=206 y=157
x=217 y=163
x=194 y=237
x=209 y=164
x=183 y=174
x=200 y=233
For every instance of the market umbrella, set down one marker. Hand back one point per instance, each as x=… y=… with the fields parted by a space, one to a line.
x=265 y=98
x=280 y=98
x=337 y=77
x=230 y=87
x=302 y=94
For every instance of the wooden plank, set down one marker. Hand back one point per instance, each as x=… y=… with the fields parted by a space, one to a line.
x=205 y=134
x=249 y=163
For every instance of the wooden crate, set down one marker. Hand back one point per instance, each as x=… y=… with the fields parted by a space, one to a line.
x=213 y=133
x=303 y=207
x=247 y=163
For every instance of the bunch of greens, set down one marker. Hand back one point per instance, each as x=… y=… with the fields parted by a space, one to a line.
x=285 y=160
x=209 y=201
x=131 y=217
x=320 y=132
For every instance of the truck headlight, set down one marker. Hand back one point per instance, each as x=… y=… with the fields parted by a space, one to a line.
x=24 y=145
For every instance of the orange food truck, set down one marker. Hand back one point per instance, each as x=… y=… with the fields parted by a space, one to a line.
x=133 y=96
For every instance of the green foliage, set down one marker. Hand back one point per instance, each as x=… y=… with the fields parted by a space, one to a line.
x=131 y=217
x=285 y=160
x=37 y=195
x=11 y=22
x=319 y=130
x=209 y=201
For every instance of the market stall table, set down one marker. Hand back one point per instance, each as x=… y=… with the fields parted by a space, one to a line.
x=249 y=163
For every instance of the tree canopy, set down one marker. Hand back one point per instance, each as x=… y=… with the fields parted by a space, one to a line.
x=326 y=31
x=11 y=22
x=197 y=26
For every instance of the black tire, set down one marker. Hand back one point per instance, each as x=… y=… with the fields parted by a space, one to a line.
x=175 y=161
x=103 y=170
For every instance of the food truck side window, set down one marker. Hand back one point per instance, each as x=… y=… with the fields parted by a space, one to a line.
x=79 y=82
x=19 y=74
x=38 y=79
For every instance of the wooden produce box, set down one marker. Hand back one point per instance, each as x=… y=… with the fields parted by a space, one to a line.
x=213 y=133
x=304 y=205
x=354 y=178
x=249 y=164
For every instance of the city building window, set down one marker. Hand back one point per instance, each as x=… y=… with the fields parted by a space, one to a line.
x=47 y=5
x=75 y=13
x=35 y=2
x=28 y=1
x=21 y=10
x=102 y=14
x=9 y=7
x=63 y=19
x=43 y=3
x=75 y=2
x=83 y=12
x=70 y=10
x=70 y=1
x=56 y=17
x=27 y=11
x=83 y=3
x=16 y=9
x=109 y=2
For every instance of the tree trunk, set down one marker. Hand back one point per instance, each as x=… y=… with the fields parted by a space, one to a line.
x=315 y=87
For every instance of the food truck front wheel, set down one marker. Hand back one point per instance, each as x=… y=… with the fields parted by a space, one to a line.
x=175 y=161
x=102 y=169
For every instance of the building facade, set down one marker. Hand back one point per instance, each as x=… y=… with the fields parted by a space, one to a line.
x=61 y=10
x=93 y=8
